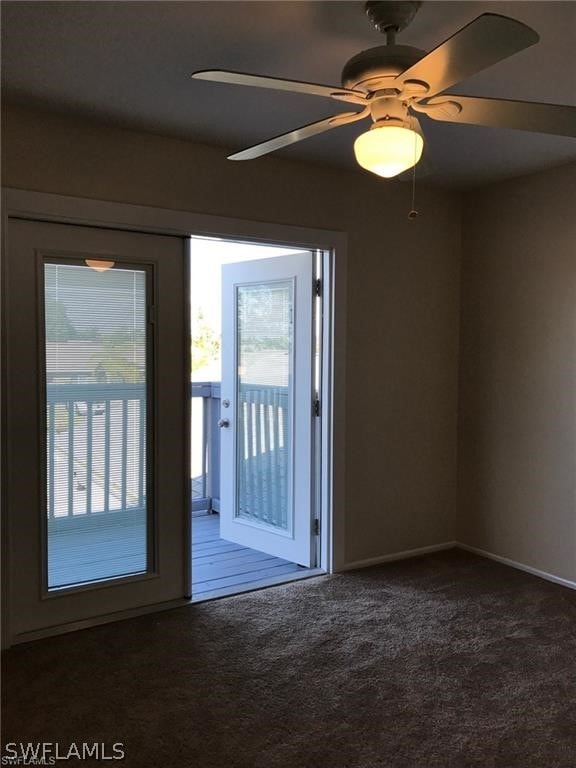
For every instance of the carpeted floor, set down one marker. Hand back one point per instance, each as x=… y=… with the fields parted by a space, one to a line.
x=446 y=661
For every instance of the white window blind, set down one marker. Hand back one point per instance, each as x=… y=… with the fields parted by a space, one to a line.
x=97 y=476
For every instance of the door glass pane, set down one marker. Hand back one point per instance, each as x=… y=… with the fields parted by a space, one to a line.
x=96 y=408
x=264 y=403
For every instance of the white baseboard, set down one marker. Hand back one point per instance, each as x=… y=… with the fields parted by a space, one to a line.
x=96 y=621
x=519 y=566
x=398 y=556
x=457 y=545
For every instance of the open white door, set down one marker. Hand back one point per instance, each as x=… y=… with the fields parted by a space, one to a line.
x=267 y=396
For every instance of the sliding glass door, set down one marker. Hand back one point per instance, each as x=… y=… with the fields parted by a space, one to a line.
x=97 y=489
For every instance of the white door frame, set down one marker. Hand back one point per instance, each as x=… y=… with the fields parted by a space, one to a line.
x=41 y=206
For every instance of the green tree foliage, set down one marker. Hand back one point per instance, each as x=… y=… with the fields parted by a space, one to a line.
x=58 y=324
x=114 y=362
x=205 y=343
x=59 y=327
x=264 y=316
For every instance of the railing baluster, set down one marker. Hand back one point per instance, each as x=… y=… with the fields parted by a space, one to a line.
x=248 y=460
x=107 y=455
x=124 y=470
x=285 y=457
x=204 y=446
x=70 y=416
x=141 y=448
x=254 y=508
x=273 y=448
x=89 y=436
x=213 y=440
x=274 y=457
x=259 y=463
x=277 y=456
x=267 y=447
x=246 y=443
x=51 y=461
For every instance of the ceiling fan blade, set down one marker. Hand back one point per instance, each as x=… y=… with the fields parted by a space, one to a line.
x=305 y=132
x=558 y=119
x=278 y=84
x=485 y=41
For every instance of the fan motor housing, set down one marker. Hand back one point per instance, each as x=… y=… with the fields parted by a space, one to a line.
x=372 y=69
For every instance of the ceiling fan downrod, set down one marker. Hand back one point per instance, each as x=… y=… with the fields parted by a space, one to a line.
x=391 y=16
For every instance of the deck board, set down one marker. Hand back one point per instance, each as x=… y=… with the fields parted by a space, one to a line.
x=218 y=565
x=216 y=547
x=225 y=555
x=253 y=578
x=218 y=570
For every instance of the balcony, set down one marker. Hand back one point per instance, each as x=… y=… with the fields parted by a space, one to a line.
x=96 y=483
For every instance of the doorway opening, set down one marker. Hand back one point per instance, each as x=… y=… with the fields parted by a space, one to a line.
x=256 y=382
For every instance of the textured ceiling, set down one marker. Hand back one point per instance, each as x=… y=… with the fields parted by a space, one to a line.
x=129 y=63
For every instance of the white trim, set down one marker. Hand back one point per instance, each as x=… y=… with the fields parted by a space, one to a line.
x=44 y=206
x=515 y=564
x=332 y=402
x=467 y=548
x=399 y=555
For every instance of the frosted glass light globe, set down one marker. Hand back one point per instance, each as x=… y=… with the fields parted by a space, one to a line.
x=99 y=265
x=387 y=150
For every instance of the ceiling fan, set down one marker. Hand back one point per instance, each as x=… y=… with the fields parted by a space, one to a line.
x=390 y=82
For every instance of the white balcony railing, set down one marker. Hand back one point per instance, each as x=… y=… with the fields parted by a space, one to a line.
x=96 y=448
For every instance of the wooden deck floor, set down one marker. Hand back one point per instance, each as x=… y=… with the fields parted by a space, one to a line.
x=220 y=567
x=81 y=550
x=86 y=552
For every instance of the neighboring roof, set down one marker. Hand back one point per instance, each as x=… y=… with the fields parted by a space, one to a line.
x=80 y=358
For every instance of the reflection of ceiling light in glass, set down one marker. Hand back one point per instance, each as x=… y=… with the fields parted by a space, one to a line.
x=99 y=265
x=390 y=147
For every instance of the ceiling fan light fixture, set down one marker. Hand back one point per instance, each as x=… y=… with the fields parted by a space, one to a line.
x=99 y=265
x=389 y=147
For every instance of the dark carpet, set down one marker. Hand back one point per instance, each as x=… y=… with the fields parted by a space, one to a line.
x=445 y=661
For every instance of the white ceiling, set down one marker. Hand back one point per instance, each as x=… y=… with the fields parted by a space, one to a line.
x=129 y=63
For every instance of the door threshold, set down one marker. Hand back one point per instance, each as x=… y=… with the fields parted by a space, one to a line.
x=271 y=581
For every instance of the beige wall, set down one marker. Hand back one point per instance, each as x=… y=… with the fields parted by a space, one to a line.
x=517 y=423
x=517 y=409
x=403 y=288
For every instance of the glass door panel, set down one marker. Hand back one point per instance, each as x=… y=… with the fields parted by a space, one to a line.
x=264 y=403
x=96 y=350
